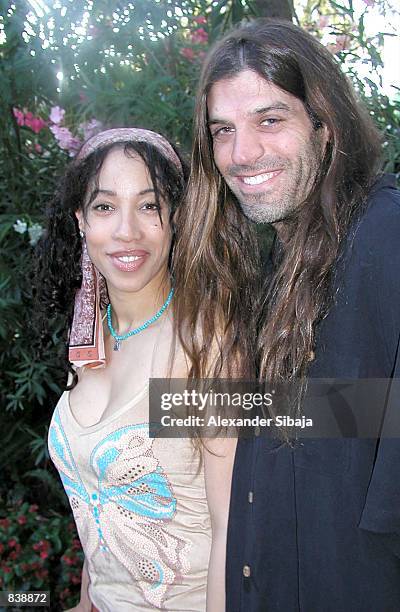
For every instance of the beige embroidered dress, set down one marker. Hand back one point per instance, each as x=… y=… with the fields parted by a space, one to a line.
x=140 y=508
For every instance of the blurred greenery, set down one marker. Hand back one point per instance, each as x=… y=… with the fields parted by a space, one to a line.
x=120 y=63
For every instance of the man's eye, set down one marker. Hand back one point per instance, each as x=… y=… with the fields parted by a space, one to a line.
x=222 y=131
x=270 y=121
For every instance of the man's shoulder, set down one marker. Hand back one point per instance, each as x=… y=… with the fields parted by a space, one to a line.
x=384 y=200
x=380 y=222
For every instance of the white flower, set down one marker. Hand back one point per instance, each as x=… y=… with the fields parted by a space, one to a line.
x=35 y=231
x=20 y=226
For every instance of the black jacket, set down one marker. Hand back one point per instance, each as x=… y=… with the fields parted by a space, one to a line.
x=316 y=528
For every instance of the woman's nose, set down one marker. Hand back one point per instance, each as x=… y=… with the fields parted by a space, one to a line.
x=128 y=227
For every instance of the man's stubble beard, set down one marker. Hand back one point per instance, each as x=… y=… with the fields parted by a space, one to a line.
x=264 y=209
x=276 y=206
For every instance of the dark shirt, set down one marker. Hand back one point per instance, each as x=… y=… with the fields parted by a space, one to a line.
x=316 y=528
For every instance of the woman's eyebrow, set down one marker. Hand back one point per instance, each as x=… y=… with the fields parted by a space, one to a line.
x=96 y=192
x=110 y=192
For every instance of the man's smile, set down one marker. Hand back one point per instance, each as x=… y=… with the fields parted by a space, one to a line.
x=259 y=179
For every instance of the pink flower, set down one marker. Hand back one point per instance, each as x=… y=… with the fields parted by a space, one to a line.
x=90 y=128
x=76 y=545
x=343 y=41
x=75 y=579
x=5 y=523
x=44 y=554
x=33 y=508
x=333 y=48
x=83 y=97
x=65 y=593
x=369 y=2
x=35 y=123
x=323 y=21
x=19 y=115
x=188 y=53
x=22 y=519
x=34 y=566
x=57 y=115
x=199 y=36
x=65 y=139
x=12 y=543
x=201 y=20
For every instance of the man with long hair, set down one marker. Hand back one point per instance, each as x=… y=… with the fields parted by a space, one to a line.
x=281 y=138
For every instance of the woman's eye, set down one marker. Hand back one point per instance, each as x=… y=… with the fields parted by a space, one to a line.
x=151 y=206
x=102 y=207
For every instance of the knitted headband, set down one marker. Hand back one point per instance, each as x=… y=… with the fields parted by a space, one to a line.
x=130 y=135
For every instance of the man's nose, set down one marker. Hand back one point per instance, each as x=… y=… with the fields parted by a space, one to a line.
x=247 y=148
x=128 y=227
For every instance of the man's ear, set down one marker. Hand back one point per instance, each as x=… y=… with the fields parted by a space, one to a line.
x=326 y=136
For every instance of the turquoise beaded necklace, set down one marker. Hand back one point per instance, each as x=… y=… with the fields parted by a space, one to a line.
x=118 y=339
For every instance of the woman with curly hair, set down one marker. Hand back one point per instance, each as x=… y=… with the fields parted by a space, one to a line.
x=151 y=517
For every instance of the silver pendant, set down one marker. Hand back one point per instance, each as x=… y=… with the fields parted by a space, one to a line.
x=117 y=345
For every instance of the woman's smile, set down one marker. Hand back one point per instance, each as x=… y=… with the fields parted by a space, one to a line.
x=129 y=261
x=127 y=230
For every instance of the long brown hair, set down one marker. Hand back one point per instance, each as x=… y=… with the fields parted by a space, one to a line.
x=216 y=278
x=215 y=242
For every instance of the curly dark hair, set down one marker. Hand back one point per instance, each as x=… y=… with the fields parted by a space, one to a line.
x=58 y=256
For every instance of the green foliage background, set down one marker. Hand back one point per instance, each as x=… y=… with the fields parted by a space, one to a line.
x=136 y=63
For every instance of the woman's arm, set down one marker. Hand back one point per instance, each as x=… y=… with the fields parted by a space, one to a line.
x=84 y=604
x=219 y=456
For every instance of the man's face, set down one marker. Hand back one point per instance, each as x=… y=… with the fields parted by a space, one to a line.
x=265 y=146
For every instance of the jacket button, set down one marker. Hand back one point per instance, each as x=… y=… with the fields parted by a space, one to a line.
x=250 y=497
x=246 y=571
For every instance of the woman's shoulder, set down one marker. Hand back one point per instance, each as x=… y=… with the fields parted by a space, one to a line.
x=60 y=411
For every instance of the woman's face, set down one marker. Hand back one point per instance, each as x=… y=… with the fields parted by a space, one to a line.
x=125 y=238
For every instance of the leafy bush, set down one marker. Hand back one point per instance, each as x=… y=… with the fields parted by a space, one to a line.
x=38 y=553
